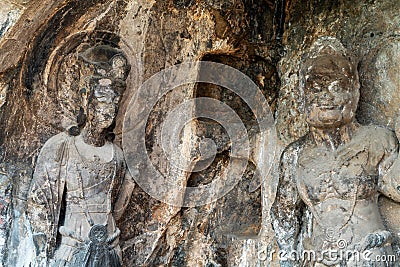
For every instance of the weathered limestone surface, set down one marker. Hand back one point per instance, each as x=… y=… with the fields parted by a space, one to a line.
x=41 y=75
x=369 y=29
x=9 y=14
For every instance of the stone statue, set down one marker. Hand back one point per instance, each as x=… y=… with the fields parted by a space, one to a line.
x=80 y=184
x=326 y=209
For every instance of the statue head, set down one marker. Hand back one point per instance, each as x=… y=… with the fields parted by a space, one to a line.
x=330 y=82
x=107 y=84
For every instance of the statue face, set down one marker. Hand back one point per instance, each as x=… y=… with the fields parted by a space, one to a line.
x=104 y=105
x=330 y=93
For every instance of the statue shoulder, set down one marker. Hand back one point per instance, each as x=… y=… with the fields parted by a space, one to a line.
x=378 y=135
x=118 y=152
x=54 y=147
x=373 y=130
x=56 y=140
x=293 y=150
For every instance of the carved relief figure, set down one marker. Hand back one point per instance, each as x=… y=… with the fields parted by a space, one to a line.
x=330 y=179
x=80 y=184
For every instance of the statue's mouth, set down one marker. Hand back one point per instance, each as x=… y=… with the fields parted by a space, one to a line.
x=329 y=107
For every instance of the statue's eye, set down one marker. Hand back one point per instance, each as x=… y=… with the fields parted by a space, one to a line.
x=335 y=87
x=103 y=100
x=99 y=94
x=313 y=87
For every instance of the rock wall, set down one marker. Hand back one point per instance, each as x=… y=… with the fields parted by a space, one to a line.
x=40 y=77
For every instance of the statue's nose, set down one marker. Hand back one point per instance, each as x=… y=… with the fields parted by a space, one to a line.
x=326 y=96
x=105 y=82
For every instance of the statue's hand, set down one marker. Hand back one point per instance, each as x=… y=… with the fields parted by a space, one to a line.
x=397 y=127
x=376 y=240
x=124 y=196
x=40 y=241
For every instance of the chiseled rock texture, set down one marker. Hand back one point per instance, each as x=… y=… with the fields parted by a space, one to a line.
x=265 y=39
x=370 y=31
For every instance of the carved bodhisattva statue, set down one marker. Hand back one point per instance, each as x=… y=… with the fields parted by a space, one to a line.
x=80 y=183
x=330 y=179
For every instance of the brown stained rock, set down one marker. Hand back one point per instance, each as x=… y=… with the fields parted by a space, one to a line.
x=40 y=77
x=179 y=35
x=380 y=84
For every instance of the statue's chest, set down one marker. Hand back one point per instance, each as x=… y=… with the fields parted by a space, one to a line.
x=94 y=177
x=345 y=173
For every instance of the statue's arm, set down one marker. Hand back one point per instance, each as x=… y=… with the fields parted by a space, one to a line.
x=389 y=169
x=286 y=212
x=389 y=184
x=124 y=195
x=38 y=214
x=39 y=206
x=45 y=195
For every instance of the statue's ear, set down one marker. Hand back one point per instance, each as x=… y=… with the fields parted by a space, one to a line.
x=74 y=130
x=81 y=119
x=110 y=136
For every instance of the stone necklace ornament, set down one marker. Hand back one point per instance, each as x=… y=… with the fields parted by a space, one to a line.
x=333 y=234
x=334 y=237
x=98 y=251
